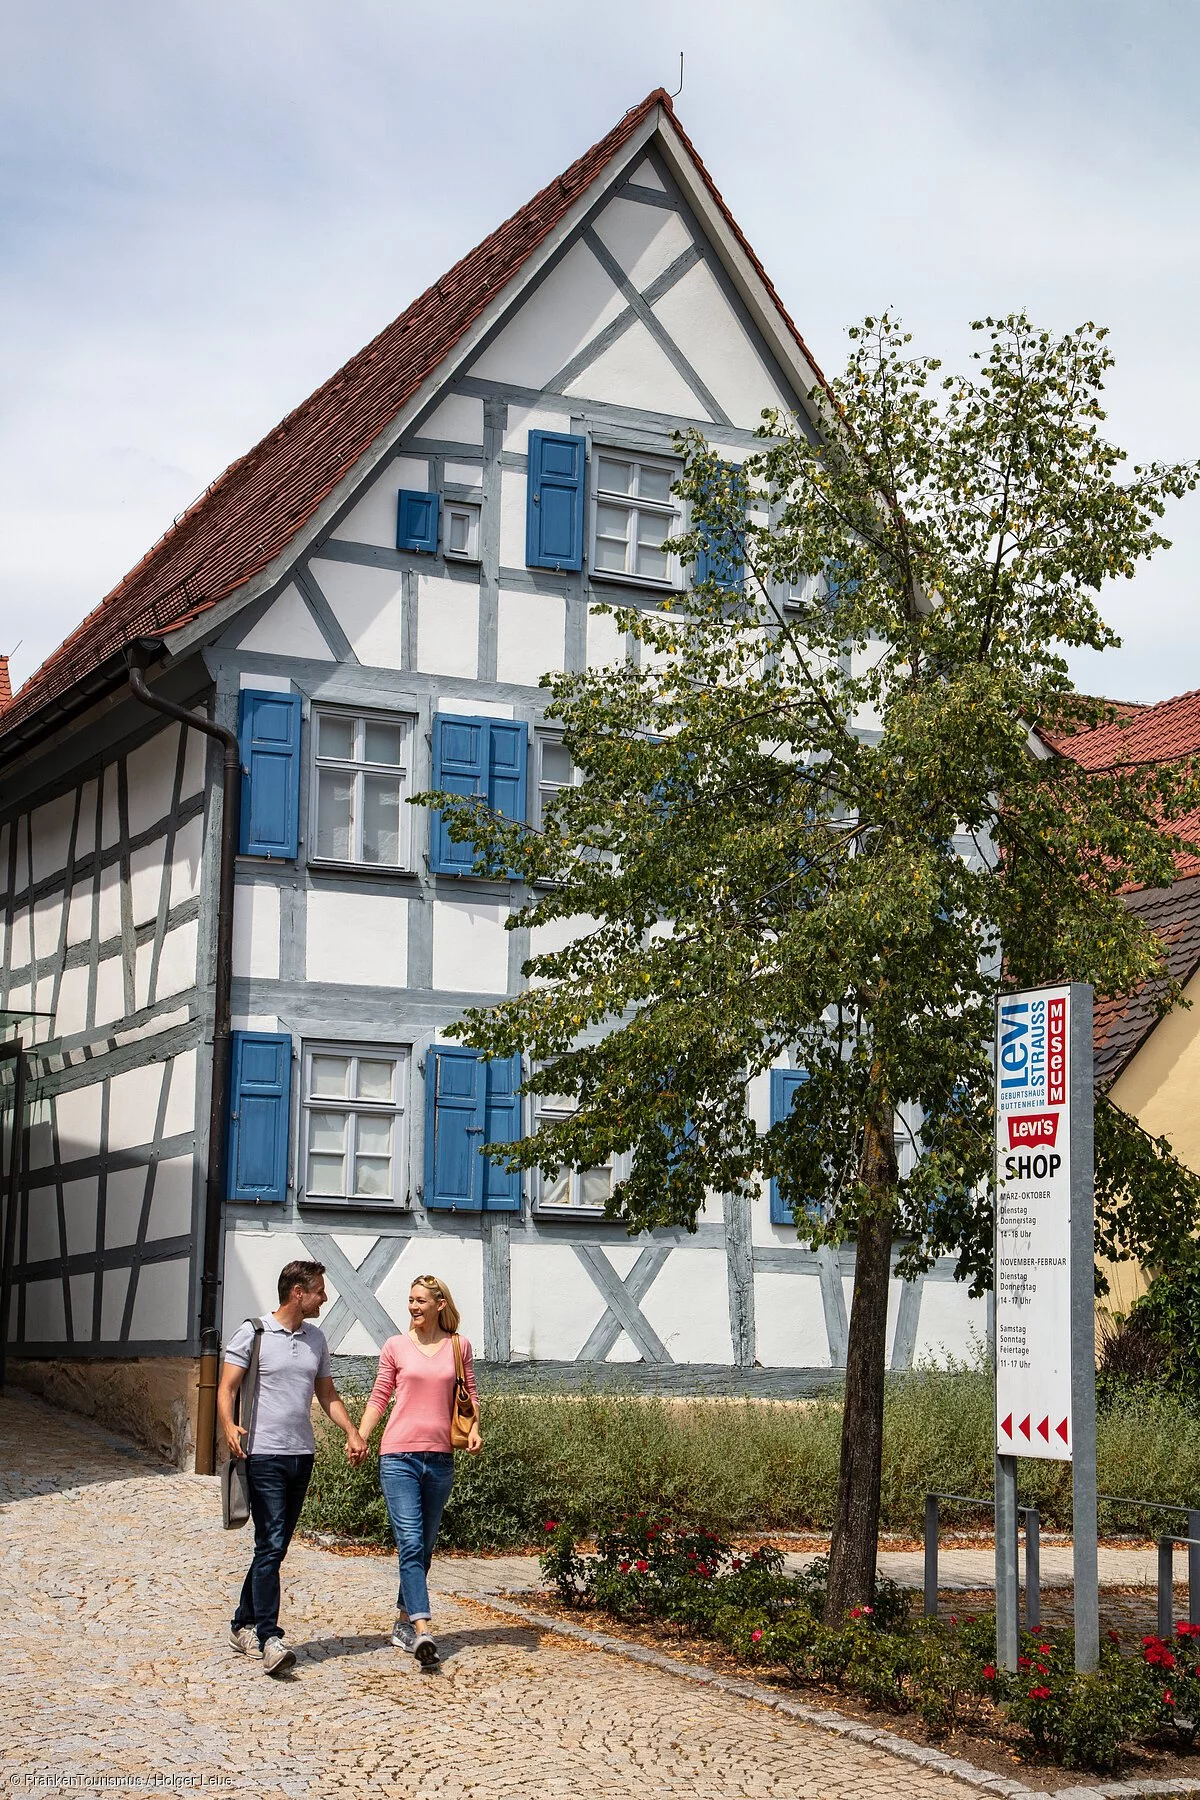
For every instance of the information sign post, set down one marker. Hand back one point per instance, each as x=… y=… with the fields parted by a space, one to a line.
x=1045 y=1318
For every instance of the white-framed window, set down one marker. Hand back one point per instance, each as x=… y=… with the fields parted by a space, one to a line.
x=354 y=1123
x=362 y=777
x=460 y=531
x=568 y=1190
x=553 y=771
x=633 y=511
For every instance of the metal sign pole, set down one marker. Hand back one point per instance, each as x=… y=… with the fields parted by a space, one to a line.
x=1083 y=1333
x=1008 y=1624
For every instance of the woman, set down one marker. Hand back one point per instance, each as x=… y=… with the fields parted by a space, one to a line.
x=416 y=1463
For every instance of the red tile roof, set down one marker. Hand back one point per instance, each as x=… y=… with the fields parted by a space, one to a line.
x=251 y=513
x=1164 y=733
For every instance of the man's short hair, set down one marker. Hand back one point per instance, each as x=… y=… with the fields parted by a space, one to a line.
x=298 y=1274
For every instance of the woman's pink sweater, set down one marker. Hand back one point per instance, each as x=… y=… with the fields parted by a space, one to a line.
x=424 y=1390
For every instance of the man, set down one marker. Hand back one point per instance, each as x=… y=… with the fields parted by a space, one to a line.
x=293 y=1364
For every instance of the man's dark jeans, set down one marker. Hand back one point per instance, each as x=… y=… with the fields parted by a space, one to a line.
x=277 y=1485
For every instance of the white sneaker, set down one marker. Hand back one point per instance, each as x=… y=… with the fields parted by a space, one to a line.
x=277 y=1657
x=403 y=1635
x=245 y=1639
x=425 y=1650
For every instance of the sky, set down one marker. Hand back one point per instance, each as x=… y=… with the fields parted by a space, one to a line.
x=206 y=207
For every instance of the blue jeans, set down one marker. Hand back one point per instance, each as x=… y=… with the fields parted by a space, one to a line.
x=277 y=1485
x=416 y=1486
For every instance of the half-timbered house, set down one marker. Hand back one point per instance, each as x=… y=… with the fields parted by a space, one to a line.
x=368 y=599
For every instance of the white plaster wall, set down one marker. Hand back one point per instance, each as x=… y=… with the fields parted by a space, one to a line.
x=77 y=1114
x=71 y=1013
x=177 y=965
x=133 y=1105
x=470 y=947
x=112 y=1303
x=47 y=924
x=181 y=1102
x=606 y=647
x=705 y=327
x=22 y=948
x=124 y=1193
x=524 y=419
x=624 y=1350
x=45 y=1320
x=51 y=826
x=266 y=684
x=458 y=419
x=358 y=1341
x=110 y=991
x=372 y=519
x=19 y=998
x=367 y=605
x=555 y=1304
x=644 y=239
x=42 y=1228
x=195 y=760
x=253 y=1260
x=110 y=824
x=635 y=372
x=469 y=707
x=358 y=938
x=688 y=1306
x=186 y=859
x=145 y=880
x=531 y=636
x=79 y=1207
x=789 y=1322
x=466 y=474
x=645 y=175
x=171 y=1206
x=951 y=1326
x=556 y=935
x=256 y=930
x=514 y=489
x=82 y=1291
x=447 y=627
x=575 y=301
x=287 y=628
x=151 y=776
x=867 y=718
x=110 y=902
x=355 y=1246
x=160 y=1305
x=457 y=1262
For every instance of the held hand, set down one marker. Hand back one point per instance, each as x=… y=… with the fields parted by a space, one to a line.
x=474 y=1441
x=356 y=1448
x=233 y=1439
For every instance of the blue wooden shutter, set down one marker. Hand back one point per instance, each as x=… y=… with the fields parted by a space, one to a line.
x=455 y=1122
x=721 y=559
x=461 y=749
x=417 y=517
x=269 y=741
x=260 y=1092
x=554 y=511
x=508 y=754
x=502 y=1190
x=784 y=1083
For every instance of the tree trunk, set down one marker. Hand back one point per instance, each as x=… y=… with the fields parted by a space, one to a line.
x=856 y=1518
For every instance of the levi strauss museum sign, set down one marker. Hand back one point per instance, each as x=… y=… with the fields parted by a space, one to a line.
x=1033 y=1225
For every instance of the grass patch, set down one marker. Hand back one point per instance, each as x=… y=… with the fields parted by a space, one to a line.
x=739 y=1468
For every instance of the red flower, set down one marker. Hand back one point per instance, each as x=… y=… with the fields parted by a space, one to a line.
x=1042 y=1669
x=953 y=1619
x=1039 y=1693
x=641 y=1566
x=1168 y=1697
x=756 y=1635
x=868 y=1610
x=1024 y=1662
x=989 y=1671
x=551 y=1524
x=856 y=1612
x=1114 y=1637
x=623 y=1567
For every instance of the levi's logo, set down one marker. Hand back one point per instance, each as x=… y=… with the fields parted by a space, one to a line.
x=1032 y=1128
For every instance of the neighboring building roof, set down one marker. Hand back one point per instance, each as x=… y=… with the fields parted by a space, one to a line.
x=251 y=513
x=1163 y=733
x=1123 y=1025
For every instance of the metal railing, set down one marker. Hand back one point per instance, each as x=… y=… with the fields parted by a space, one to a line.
x=1166 y=1583
x=1033 y=1553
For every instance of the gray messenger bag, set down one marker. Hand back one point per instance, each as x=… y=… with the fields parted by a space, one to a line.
x=235 y=1479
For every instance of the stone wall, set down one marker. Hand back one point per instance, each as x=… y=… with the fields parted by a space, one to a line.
x=152 y=1399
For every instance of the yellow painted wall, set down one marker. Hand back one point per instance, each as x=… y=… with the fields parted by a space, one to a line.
x=1160 y=1088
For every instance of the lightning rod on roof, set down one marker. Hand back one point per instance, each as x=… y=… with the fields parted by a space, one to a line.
x=679 y=89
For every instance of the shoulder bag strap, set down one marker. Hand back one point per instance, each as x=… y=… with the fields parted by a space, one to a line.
x=462 y=1393
x=458 y=1361
x=249 y=1385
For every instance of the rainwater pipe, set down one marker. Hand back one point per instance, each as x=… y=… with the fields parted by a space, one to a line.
x=139 y=655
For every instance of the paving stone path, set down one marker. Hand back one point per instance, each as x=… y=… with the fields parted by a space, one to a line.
x=116 y=1584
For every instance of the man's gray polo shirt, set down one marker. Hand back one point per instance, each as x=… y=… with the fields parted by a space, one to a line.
x=289 y=1363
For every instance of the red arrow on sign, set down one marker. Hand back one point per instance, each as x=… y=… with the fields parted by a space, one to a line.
x=1006 y=1426
x=1062 y=1430
x=1044 y=1428
x=1024 y=1425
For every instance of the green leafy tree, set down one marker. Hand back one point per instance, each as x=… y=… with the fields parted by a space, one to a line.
x=813 y=821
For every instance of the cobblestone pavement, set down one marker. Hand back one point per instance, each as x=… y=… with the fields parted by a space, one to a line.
x=116 y=1584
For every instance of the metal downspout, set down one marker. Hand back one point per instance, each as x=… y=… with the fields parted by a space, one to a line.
x=210 y=1270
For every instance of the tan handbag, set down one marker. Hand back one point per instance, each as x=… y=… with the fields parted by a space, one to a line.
x=462 y=1412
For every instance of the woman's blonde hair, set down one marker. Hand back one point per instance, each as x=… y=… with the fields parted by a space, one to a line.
x=448 y=1313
